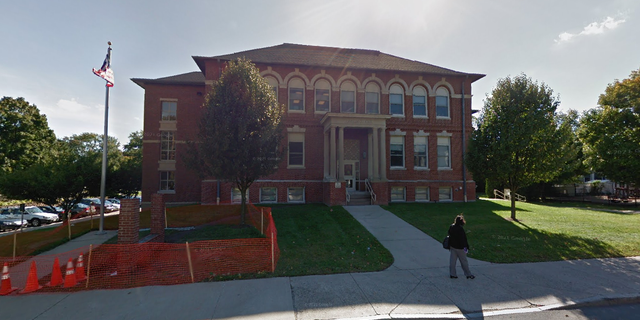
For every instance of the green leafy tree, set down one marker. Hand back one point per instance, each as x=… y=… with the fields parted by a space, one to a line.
x=611 y=132
x=127 y=178
x=24 y=134
x=241 y=129
x=518 y=141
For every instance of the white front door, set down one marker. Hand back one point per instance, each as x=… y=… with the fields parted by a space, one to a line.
x=351 y=172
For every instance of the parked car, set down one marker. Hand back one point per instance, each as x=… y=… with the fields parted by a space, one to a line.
x=95 y=203
x=112 y=202
x=32 y=214
x=80 y=210
x=12 y=224
x=50 y=209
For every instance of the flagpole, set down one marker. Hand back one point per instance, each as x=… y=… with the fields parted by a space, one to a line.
x=105 y=139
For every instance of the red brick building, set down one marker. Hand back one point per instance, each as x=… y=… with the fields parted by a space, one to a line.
x=359 y=123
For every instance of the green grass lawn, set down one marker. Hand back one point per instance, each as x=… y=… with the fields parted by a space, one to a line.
x=544 y=232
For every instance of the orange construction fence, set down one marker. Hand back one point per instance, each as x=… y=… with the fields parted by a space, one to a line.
x=116 y=266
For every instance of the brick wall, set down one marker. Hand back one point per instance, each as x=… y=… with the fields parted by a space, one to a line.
x=129 y=221
x=158 y=217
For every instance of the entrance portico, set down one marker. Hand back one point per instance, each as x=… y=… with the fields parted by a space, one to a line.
x=334 y=147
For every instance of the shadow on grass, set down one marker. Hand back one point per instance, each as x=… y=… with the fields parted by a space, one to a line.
x=495 y=239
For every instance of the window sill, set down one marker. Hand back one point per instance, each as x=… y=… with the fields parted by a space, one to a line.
x=420 y=117
x=445 y=169
x=398 y=200
x=295 y=167
x=420 y=169
x=320 y=112
x=397 y=116
x=448 y=200
x=397 y=168
x=422 y=200
x=296 y=111
x=443 y=118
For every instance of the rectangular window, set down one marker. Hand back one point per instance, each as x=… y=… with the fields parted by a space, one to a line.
x=397 y=194
x=322 y=100
x=419 y=106
x=442 y=106
x=444 y=194
x=396 y=147
x=422 y=194
x=348 y=101
x=296 y=99
x=296 y=149
x=167 y=180
x=295 y=194
x=420 y=159
x=372 y=102
x=395 y=104
x=167 y=145
x=268 y=195
x=236 y=196
x=169 y=110
x=444 y=152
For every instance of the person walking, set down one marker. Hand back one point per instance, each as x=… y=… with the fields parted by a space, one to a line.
x=458 y=248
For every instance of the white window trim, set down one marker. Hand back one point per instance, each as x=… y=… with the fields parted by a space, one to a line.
x=303 y=194
x=402 y=115
x=426 y=100
x=173 y=144
x=315 y=97
x=448 y=117
x=167 y=191
x=422 y=200
x=161 y=114
x=260 y=199
x=421 y=134
x=450 y=195
x=404 y=196
x=355 y=96
x=446 y=135
x=301 y=131
x=289 y=87
x=240 y=195
x=402 y=134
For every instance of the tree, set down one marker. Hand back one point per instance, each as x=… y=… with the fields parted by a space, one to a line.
x=127 y=179
x=24 y=134
x=240 y=129
x=611 y=132
x=518 y=141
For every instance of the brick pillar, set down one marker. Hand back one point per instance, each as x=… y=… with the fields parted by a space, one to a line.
x=334 y=196
x=157 y=216
x=129 y=221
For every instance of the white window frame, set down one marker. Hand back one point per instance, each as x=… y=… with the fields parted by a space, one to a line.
x=172 y=107
x=262 y=189
x=167 y=145
x=444 y=141
x=239 y=195
x=393 y=140
x=322 y=85
x=348 y=87
x=440 y=189
x=372 y=89
x=298 y=84
x=442 y=92
x=417 y=141
x=396 y=90
x=404 y=194
x=420 y=92
x=296 y=137
x=426 y=193
x=168 y=184
x=289 y=195
x=273 y=82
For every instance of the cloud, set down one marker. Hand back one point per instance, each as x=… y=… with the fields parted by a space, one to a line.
x=69 y=117
x=593 y=28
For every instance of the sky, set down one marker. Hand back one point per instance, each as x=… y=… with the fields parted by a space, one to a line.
x=49 y=48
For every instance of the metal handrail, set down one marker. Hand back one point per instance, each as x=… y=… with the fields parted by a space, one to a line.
x=498 y=194
x=370 y=189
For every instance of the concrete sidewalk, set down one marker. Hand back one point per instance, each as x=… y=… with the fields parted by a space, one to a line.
x=417 y=285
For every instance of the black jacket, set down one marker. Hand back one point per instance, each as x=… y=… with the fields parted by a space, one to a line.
x=457 y=237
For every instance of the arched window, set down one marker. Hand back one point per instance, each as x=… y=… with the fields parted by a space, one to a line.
x=396 y=100
x=274 y=85
x=372 y=98
x=296 y=95
x=323 y=96
x=347 y=97
x=442 y=103
x=419 y=102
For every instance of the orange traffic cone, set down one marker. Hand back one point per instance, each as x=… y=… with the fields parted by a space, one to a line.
x=56 y=274
x=5 y=287
x=80 y=269
x=32 y=280
x=70 y=277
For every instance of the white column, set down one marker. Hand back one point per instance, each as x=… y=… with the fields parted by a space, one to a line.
x=326 y=154
x=332 y=152
x=341 y=154
x=370 y=155
x=383 y=154
x=375 y=154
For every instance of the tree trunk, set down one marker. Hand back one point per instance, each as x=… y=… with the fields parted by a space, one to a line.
x=243 y=207
x=513 y=206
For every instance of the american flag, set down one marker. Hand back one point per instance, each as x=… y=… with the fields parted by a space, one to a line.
x=105 y=71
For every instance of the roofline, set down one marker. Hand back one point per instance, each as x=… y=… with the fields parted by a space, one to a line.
x=143 y=82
